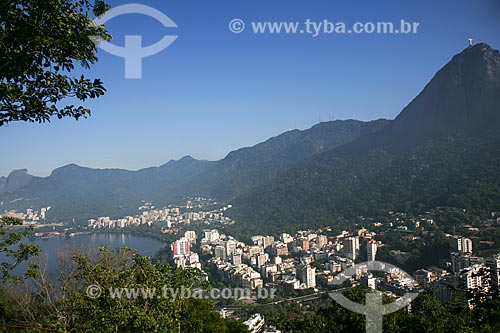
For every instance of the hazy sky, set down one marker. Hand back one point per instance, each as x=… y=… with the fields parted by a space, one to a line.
x=213 y=91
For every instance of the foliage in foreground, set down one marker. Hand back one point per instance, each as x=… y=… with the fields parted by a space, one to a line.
x=426 y=315
x=41 y=41
x=11 y=233
x=68 y=308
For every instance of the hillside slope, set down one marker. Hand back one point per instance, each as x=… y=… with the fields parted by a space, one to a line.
x=441 y=150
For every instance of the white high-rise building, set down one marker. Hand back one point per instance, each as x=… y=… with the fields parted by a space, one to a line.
x=371 y=250
x=471 y=277
x=181 y=247
x=461 y=260
x=467 y=245
x=351 y=247
x=191 y=235
x=212 y=235
x=371 y=282
x=321 y=241
x=461 y=244
x=236 y=258
x=268 y=241
x=220 y=252
x=286 y=238
x=307 y=275
x=493 y=263
x=43 y=211
x=230 y=246
x=261 y=259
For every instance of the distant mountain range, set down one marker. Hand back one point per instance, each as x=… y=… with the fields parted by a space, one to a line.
x=442 y=149
x=78 y=192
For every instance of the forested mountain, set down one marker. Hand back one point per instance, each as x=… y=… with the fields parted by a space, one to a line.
x=16 y=180
x=73 y=191
x=77 y=192
x=246 y=168
x=442 y=150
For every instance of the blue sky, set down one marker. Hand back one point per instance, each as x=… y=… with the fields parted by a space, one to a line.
x=213 y=91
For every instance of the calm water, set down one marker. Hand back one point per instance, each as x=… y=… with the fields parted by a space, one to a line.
x=53 y=248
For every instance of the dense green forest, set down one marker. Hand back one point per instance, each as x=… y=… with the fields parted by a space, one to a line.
x=425 y=314
x=454 y=170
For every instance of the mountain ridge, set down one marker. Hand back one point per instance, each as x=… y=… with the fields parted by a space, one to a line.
x=14 y=181
x=110 y=190
x=447 y=133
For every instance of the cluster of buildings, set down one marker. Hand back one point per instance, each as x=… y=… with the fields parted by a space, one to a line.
x=181 y=250
x=465 y=273
x=170 y=217
x=31 y=216
x=265 y=261
x=316 y=259
x=288 y=262
x=255 y=323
